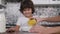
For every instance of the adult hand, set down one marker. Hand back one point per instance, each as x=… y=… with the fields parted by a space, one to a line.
x=38 y=29
x=40 y=19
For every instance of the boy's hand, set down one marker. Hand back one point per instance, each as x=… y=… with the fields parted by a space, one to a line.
x=11 y=30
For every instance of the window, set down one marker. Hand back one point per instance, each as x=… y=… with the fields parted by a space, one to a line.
x=12 y=0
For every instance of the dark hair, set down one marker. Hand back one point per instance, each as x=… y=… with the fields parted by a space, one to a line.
x=27 y=4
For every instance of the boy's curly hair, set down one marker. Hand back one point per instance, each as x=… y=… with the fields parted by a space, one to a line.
x=27 y=4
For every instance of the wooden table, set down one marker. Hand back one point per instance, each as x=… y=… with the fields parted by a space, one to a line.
x=24 y=33
x=18 y=33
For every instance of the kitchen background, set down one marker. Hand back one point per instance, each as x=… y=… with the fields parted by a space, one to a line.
x=12 y=9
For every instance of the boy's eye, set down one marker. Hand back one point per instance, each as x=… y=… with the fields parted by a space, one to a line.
x=26 y=10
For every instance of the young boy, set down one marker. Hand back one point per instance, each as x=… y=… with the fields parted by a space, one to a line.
x=27 y=9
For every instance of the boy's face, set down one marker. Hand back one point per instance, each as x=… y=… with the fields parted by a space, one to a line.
x=27 y=12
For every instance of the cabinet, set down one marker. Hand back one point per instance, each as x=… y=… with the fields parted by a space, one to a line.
x=38 y=2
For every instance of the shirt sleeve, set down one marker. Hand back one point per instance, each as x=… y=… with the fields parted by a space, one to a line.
x=19 y=21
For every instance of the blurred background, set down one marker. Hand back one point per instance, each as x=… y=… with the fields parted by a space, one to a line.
x=12 y=9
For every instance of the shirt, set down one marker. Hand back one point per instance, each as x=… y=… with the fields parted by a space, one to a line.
x=23 y=23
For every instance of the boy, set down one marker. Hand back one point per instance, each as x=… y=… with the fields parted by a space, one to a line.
x=27 y=9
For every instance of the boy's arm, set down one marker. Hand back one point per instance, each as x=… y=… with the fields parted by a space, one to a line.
x=17 y=28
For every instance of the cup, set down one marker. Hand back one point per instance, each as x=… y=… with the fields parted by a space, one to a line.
x=32 y=22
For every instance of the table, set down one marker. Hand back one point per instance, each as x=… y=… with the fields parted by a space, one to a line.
x=18 y=33
x=23 y=33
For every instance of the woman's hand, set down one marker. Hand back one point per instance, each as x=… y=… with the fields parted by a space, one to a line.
x=38 y=29
x=40 y=19
x=45 y=30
